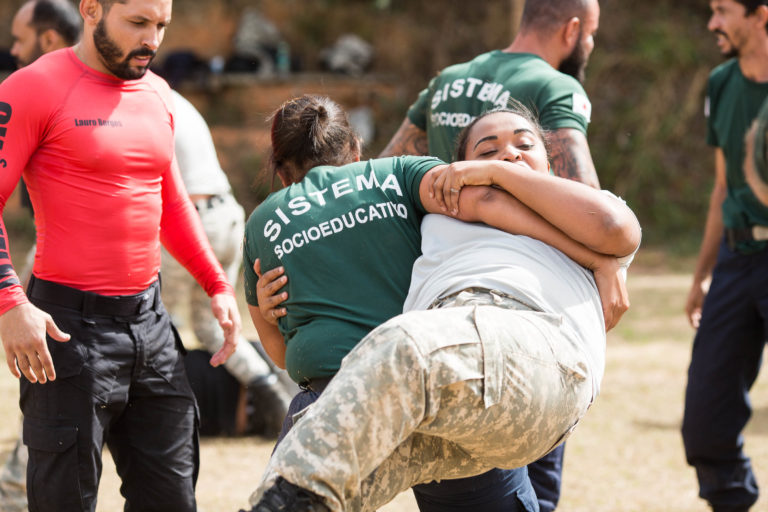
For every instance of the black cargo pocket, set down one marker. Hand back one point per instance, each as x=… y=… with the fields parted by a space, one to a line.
x=68 y=357
x=52 y=477
x=166 y=358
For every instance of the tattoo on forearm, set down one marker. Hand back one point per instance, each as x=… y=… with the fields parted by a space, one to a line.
x=408 y=140
x=570 y=159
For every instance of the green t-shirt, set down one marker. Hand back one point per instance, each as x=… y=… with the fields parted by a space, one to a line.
x=463 y=91
x=347 y=237
x=732 y=104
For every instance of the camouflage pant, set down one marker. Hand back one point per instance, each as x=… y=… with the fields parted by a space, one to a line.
x=429 y=395
x=223 y=223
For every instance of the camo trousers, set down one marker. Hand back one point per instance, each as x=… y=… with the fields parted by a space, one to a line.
x=443 y=393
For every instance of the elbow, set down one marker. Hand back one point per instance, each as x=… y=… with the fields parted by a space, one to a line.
x=622 y=233
x=475 y=200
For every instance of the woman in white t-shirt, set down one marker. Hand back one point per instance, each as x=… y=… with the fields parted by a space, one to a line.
x=505 y=361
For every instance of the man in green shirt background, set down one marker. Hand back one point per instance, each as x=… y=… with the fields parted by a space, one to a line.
x=731 y=321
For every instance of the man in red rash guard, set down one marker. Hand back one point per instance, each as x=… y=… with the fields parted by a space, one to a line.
x=92 y=132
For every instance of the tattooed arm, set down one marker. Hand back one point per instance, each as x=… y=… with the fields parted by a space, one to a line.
x=570 y=157
x=409 y=140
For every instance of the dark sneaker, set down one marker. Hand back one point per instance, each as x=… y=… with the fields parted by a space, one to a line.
x=268 y=403
x=283 y=496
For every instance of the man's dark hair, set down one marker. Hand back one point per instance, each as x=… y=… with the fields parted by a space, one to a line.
x=752 y=5
x=550 y=14
x=106 y=5
x=58 y=15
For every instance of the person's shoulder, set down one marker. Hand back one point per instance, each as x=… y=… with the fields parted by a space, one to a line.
x=160 y=86
x=404 y=161
x=723 y=71
x=32 y=88
x=37 y=75
x=556 y=78
x=478 y=60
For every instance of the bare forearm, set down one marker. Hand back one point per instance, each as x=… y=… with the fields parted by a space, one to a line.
x=269 y=336
x=502 y=211
x=591 y=217
x=713 y=232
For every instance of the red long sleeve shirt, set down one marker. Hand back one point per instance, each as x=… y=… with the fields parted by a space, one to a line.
x=96 y=153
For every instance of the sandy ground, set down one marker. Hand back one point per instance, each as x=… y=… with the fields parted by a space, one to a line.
x=625 y=456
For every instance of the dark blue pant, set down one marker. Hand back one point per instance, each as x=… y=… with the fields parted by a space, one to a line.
x=509 y=490
x=726 y=357
x=120 y=380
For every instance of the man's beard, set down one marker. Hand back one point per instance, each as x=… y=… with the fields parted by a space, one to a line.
x=733 y=52
x=36 y=54
x=111 y=55
x=575 y=64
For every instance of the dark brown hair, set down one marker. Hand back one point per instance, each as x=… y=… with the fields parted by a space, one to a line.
x=60 y=16
x=309 y=131
x=513 y=107
x=548 y=15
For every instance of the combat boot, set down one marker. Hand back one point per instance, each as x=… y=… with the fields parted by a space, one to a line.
x=283 y=496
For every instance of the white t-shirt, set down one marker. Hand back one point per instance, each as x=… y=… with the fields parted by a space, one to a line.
x=458 y=255
x=195 y=152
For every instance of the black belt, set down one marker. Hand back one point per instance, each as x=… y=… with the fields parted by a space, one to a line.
x=733 y=236
x=89 y=302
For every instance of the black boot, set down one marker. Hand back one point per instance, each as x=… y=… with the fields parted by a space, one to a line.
x=283 y=496
x=267 y=407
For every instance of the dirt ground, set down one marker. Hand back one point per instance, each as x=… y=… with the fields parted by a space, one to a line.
x=625 y=456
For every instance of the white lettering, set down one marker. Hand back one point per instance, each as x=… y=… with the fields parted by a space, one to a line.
x=362 y=183
x=372 y=213
x=436 y=99
x=319 y=196
x=287 y=246
x=282 y=216
x=272 y=230
x=391 y=183
x=360 y=216
x=325 y=228
x=503 y=100
x=341 y=188
x=473 y=82
x=457 y=88
x=299 y=205
x=489 y=91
